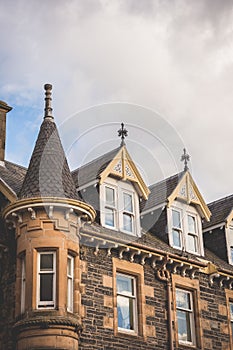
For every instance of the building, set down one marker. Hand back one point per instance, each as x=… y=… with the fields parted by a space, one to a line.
x=96 y=259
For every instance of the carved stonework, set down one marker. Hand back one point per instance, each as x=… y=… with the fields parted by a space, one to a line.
x=118 y=167
x=128 y=171
x=183 y=191
x=192 y=194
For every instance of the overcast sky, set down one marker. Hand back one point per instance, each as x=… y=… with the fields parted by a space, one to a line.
x=165 y=68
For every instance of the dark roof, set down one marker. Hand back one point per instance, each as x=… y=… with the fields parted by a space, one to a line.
x=220 y=210
x=91 y=171
x=13 y=175
x=48 y=174
x=161 y=191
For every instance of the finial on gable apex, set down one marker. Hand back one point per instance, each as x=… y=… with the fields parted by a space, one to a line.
x=122 y=133
x=48 y=102
x=185 y=158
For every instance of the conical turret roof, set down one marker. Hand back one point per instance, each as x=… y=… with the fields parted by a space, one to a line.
x=48 y=174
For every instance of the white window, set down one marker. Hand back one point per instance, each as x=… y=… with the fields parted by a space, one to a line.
x=119 y=206
x=185 y=317
x=185 y=230
x=46 y=290
x=126 y=303
x=176 y=229
x=70 y=283
x=192 y=236
x=110 y=206
x=23 y=284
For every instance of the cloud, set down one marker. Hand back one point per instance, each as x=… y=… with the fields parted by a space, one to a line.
x=174 y=57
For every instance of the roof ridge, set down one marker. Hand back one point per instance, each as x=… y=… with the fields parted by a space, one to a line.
x=16 y=164
x=220 y=199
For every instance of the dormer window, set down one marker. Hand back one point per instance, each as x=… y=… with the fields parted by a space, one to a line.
x=119 y=207
x=184 y=224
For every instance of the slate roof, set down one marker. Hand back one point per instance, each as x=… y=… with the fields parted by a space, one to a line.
x=48 y=174
x=161 y=191
x=91 y=171
x=13 y=175
x=220 y=210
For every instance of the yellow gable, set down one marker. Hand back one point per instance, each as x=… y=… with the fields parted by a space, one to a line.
x=187 y=191
x=123 y=167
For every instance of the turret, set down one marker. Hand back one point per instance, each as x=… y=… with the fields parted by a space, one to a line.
x=47 y=219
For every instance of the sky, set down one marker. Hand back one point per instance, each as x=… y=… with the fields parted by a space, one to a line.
x=164 y=68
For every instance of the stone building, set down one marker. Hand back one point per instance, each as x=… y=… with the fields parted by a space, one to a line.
x=96 y=259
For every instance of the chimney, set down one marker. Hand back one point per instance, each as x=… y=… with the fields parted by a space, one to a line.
x=4 y=109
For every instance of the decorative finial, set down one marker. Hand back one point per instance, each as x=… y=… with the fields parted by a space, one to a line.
x=185 y=158
x=48 y=106
x=122 y=133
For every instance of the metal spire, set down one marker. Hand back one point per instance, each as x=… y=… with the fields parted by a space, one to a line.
x=48 y=102
x=185 y=158
x=122 y=133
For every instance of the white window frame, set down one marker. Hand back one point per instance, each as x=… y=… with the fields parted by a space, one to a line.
x=120 y=188
x=133 y=297
x=70 y=283
x=111 y=207
x=23 y=283
x=51 y=303
x=186 y=210
x=231 y=318
x=191 y=315
x=178 y=229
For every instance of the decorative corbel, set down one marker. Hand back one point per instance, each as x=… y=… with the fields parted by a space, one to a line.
x=122 y=250
x=176 y=266
x=184 y=269
x=224 y=278
x=154 y=260
x=144 y=257
x=212 y=276
x=134 y=252
x=194 y=271
x=33 y=213
x=110 y=249
x=68 y=212
x=18 y=217
x=96 y=249
x=50 y=211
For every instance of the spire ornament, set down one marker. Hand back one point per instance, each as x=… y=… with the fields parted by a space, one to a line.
x=48 y=102
x=122 y=133
x=185 y=158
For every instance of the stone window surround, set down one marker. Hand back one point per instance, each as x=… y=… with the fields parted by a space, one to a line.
x=53 y=271
x=192 y=286
x=135 y=270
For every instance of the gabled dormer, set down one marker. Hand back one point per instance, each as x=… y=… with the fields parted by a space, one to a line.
x=114 y=189
x=218 y=232
x=175 y=211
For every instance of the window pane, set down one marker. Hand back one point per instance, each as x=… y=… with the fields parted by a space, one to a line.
x=46 y=287
x=70 y=295
x=46 y=262
x=176 y=219
x=110 y=196
x=232 y=254
x=128 y=203
x=176 y=238
x=184 y=326
x=125 y=285
x=192 y=243
x=183 y=299
x=109 y=217
x=125 y=312
x=127 y=222
x=191 y=224
x=69 y=267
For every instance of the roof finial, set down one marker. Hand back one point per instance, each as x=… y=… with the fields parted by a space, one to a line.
x=185 y=158
x=123 y=133
x=48 y=107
